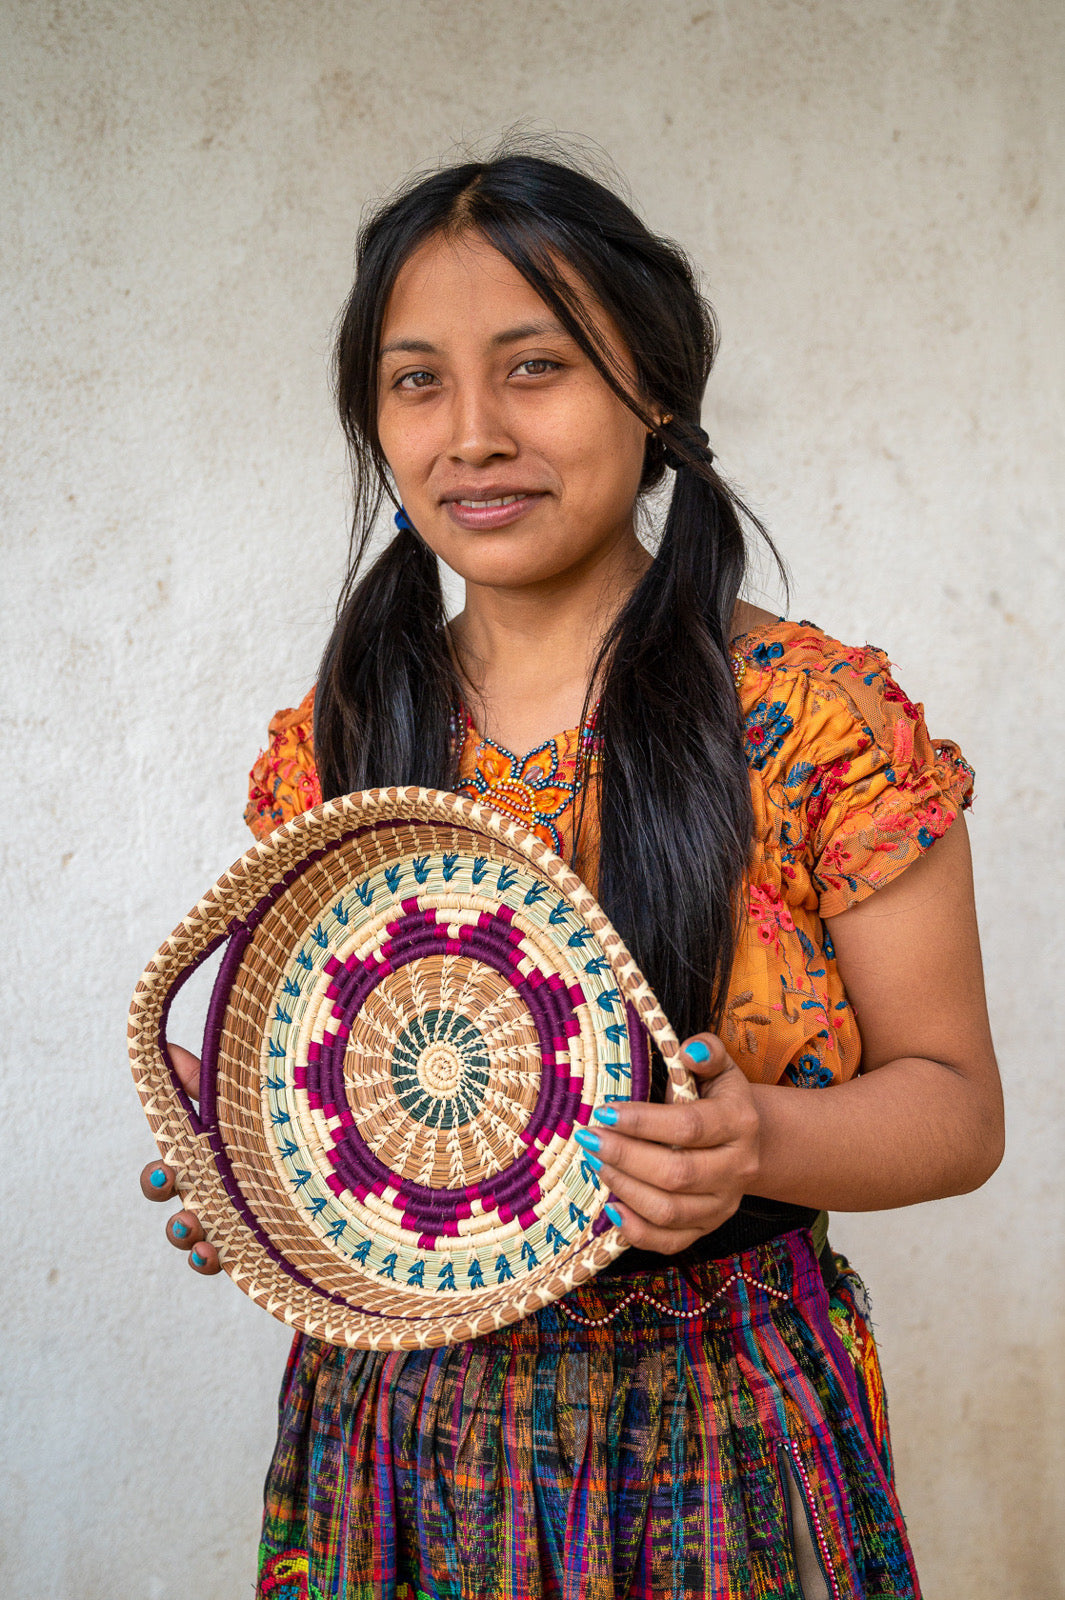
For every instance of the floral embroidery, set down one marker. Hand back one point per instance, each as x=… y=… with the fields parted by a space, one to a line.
x=763 y=655
x=809 y=1073
x=284 y=780
x=769 y=915
x=766 y=728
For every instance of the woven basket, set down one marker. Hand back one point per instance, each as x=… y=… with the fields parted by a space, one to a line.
x=417 y=1004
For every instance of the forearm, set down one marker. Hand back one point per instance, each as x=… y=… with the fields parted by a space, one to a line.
x=912 y=1130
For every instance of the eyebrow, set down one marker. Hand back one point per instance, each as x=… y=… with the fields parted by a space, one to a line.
x=525 y=330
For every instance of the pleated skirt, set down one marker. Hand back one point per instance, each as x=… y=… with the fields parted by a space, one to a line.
x=719 y=1434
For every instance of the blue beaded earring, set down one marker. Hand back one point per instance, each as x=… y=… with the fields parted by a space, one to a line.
x=403 y=522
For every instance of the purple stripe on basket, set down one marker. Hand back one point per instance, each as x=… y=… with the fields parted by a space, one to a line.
x=639 y=1053
x=194 y=1115
x=242 y=930
x=239 y=933
x=212 y=1031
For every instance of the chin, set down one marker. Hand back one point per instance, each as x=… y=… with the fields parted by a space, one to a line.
x=510 y=558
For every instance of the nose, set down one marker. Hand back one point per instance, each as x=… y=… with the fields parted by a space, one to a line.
x=479 y=429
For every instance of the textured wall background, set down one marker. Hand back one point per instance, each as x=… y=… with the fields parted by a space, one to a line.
x=875 y=193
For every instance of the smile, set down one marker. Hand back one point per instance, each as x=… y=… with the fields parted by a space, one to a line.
x=505 y=500
x=497 y=511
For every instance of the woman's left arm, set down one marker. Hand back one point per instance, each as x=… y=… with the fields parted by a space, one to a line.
x=922 y=1119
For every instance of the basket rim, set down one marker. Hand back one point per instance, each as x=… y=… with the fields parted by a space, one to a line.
x=184 y=1141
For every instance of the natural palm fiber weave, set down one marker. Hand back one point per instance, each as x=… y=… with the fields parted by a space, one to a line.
x=418 y=1003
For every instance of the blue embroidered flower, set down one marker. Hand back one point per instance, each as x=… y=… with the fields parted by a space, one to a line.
x=809 y=1073
x=765 y=729
x=763 y=654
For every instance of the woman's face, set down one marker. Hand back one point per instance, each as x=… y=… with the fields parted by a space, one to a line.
x=484 y=398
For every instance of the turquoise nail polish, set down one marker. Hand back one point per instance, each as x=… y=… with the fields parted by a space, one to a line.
x=200 y=1261
x=605 y=1114
x=587 y=1139
x=614 y=1214
x=157 y=1179
x=593 y=1161
x=697 y=1051
x=179 y=1230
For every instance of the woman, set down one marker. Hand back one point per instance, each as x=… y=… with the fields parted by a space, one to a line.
x=519 y=363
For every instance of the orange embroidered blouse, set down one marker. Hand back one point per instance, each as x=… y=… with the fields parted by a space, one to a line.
x=848 y=790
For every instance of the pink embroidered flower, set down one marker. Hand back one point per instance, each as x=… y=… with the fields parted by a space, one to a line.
x=769 y=914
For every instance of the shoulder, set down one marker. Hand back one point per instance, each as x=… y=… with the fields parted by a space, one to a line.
x=284 y=781
x=841 y=758
x=827 y=692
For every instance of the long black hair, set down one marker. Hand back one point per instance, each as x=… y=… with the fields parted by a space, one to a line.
x=674 y=795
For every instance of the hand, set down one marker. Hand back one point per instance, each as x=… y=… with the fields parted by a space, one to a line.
x=679 y=1170
x=157 y=1182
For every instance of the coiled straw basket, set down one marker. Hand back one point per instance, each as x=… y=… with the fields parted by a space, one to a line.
x=417 y=1004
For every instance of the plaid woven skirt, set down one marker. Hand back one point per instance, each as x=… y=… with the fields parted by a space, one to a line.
x=719 y=1434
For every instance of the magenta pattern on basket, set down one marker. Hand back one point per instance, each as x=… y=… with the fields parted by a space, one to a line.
x=552 y=1004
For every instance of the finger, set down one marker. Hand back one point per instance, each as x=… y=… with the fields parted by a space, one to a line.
x=706 y=1058
x=690 y=1214
x=157 y=1181
x=184 y=1230
x=661 y=1163
x=187 y=1067
x=204 y=1259
x=687 y=1124
x=643 y=1235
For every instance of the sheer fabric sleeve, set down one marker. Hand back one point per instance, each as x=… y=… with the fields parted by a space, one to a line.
x=881 y=791
x=284 y=780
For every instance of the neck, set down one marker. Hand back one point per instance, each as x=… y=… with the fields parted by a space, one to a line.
x=527 y=654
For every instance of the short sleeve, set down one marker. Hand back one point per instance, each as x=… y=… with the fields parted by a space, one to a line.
x=881 y=791
x=284 y=780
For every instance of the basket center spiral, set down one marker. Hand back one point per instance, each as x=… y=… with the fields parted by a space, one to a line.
x=440 y=1069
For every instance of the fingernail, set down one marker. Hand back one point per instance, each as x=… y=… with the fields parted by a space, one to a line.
x=593 y=1161
x=179 y=1230
x=199 y=1261
x=614 y=1214
x=586 y=1138
x=605 y=1114
x=157 y=1179
x=697 y=1051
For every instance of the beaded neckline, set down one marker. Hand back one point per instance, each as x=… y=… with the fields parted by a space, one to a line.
x=586 y=732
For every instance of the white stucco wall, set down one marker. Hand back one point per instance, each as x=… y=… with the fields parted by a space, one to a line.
x=875 y=193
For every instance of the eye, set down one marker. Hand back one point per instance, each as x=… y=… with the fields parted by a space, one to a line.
x=537 y=366
x=415 y=380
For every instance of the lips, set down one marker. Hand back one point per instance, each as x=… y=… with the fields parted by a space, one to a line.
x=484 y=510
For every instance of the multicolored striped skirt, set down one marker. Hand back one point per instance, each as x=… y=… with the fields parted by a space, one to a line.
x=717 y=1434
